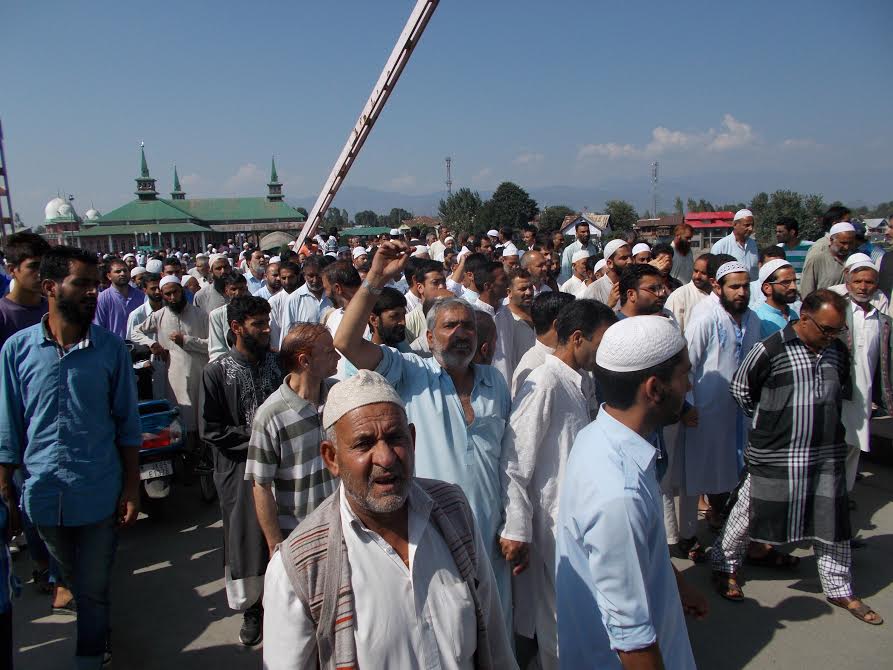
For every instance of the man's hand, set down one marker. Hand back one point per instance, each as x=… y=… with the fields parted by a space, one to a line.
x=663 y=264
x=178 y=338
x=690 y=418
x=614 y=296
x=389 y=261
x=128 y=506
x=516 y=553
x=693 y=601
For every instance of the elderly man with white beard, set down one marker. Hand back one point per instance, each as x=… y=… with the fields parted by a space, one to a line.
x=390 y=571
x=460 y=409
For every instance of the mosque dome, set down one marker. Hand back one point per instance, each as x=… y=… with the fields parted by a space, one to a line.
x=66 y=211
x=51 y=211
x=91 y=214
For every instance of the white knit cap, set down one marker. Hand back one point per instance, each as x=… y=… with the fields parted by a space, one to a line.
x=861 y=265
x=200 y=254
x=394 y=232
x=154 y=265
x=492 y=233
x=638 y=343
x=420 y=250
x=358 y=251
x=770 y=267
x=729 y=268
x=743 y=214
x=137 y=271
x=448 y=238
x=216 y=257
x=275 y=259
x=580 y=255
x=600 y=265
x=612 y=247
x=842 y=227
x=857 y=257
x=364 y=388
x=126 y=256
x=641 y=247
x=509 y=250
x=169 y=279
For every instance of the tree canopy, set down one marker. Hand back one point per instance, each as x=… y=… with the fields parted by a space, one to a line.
x=623 y=215
x=551 y=218
x=459 y=211
x=510 y=206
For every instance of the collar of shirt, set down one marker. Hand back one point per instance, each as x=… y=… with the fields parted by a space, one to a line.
x=564 y=371
x=484 y=307
x=83 y=343
x=298 y=403
x=478 y=377
x=418 y=503
x=627 y=441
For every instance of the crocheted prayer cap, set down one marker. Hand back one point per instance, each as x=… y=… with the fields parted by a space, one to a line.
x=364 y=388
x=638 y=343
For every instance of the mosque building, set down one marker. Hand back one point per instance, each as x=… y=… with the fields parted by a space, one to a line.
x=150 y=222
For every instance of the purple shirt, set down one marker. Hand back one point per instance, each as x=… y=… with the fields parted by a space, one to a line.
x=15 y=317
x=112 y=309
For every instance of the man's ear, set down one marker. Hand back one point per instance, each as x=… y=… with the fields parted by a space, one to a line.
x=49 y=288
x=653 y=389
x=327 y=452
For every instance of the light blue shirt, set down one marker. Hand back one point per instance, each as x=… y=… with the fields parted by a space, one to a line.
x=65 y=418
x=302 y=307
x=748 y=255
x=567 y=256
x=772 y=320
x=254 y=284
x=264 y=293
x=612 y=554
x=449 y=449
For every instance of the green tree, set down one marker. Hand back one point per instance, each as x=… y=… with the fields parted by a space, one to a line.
x=395 y=218
x=623 y=215
x=511 y=206
x=336 y=217
x=691 y=205
x=303 y=211
x=759 y=205
x=678 y=207
x=551 y=218
x=459 y=211
x=813 y=209
x=366 y=218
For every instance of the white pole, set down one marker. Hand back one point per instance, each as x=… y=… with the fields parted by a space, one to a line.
x=383 y=88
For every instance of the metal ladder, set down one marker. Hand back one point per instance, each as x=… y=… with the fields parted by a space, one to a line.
x=6 y=218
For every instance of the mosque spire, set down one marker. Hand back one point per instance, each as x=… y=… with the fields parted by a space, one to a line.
x=274 y=187
x=145 y=184
x=177 y=193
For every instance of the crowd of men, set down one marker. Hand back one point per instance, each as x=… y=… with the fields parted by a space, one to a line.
x=457 y=450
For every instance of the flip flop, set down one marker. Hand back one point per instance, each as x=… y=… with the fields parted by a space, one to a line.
x=859 y=612
x=774 y=559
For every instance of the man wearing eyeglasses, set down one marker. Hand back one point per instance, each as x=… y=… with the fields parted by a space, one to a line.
x=793 y=384
x=643 y=292
x=778 y=285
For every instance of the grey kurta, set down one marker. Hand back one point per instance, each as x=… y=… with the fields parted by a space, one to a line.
x=184 y=370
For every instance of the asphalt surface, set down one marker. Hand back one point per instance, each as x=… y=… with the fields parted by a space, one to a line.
x=169 y=605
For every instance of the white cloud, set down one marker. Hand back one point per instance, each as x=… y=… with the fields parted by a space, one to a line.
x=403 y=181
x=528 y=158
x=192 y=180
x=483 y=175
x=247 y=175
x=798 y=143
x=733 y=134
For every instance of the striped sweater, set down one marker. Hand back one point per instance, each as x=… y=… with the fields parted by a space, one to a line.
x=324 y=588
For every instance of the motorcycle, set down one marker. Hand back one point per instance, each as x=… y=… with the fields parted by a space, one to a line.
x=164 y=441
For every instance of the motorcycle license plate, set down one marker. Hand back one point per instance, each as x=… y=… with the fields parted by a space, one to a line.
x=156 y=470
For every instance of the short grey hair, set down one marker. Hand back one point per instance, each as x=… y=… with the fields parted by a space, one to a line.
x=441 y=304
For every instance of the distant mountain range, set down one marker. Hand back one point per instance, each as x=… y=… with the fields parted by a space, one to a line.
x=862 y=188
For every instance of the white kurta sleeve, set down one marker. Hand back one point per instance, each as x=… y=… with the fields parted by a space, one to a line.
x=520 y=445
x=289 y=633
x=143 y=333
x=501 y=653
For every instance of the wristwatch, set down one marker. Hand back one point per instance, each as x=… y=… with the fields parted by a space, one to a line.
x=369 y=287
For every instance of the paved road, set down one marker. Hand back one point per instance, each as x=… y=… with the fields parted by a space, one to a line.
x=170 y=609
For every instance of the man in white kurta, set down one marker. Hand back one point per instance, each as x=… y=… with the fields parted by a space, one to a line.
x=683 y=299
x=864 y=341
x=719 y=337
x=181 y=330
x=549 y=411
x=577 y=283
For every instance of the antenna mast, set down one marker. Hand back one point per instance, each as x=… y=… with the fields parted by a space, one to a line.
x=654 y=178
x=449 y=181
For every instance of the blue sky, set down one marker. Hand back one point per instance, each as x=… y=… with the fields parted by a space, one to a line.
x=576 y=93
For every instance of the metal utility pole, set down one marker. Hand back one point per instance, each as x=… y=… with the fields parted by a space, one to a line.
x=406 y=43
x=449 y=181
x=4 y=195
x=654 y=177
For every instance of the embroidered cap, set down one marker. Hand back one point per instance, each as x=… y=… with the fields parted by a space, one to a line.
x=729 y=268
x=612 y=247
x=364 y=388
x=580 y=255
x=769 y=269
x=842 y=227
x=638 y=343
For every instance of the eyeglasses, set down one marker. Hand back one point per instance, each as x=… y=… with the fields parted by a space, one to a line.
x=827 y=331
x=656 y=290
x=784 y=282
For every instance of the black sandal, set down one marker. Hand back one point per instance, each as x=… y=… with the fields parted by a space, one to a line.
x=726 y=584
x=774 y=559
